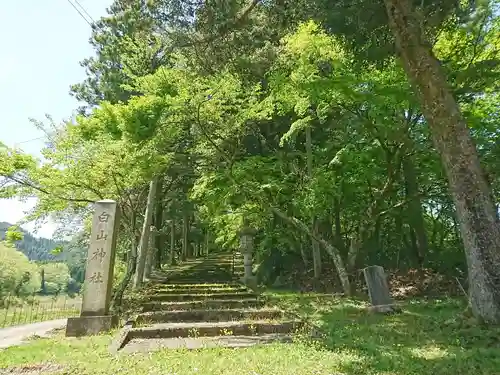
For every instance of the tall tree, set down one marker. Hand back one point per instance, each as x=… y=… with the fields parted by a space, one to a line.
x=476 y=211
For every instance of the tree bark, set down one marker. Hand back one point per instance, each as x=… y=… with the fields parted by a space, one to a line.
x=144 y=241
x=131 y=264
x=476 y=212
x=150 y=257
x=338 y=225
x=316 y=252
x=172 y=243
x=158 y=223
x=331 y=250
x=185 y=237
x=207 y=242
x=303 y=252
x=415 y=212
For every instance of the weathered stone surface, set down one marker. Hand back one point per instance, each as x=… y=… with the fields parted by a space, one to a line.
x=43 y=368
x=90 y=325
x=202 y=315
x=199 y=329
x=209 y=304
x=384 y=309
x=148 y=345
x=121 y=338
x=198 y=286
x=100 y=259
x=212 y=291
x=378 y=290
x=250 y=282
x=218 y=315
x=247 y=248
x=174 y=297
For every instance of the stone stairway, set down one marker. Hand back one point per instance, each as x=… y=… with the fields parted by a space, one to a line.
x=201 y=306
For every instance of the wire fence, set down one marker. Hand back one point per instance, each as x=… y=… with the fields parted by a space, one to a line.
x=15 y=311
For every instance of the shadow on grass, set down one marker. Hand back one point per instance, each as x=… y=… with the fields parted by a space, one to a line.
x=427 y=337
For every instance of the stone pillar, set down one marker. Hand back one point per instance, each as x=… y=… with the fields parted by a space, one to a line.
x=247 y=248
x=94 y=317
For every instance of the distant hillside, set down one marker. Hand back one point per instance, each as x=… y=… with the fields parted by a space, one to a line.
x=34 y=248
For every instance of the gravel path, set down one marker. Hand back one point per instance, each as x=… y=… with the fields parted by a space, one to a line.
x=17 y=335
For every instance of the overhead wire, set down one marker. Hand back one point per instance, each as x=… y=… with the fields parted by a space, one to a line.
x=30 y=140
x=84 y=10
x=80 y=13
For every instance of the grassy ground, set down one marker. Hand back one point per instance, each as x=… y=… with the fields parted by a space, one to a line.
x=39 y=309
x=425 y=339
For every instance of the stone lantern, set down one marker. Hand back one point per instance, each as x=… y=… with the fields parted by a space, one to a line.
x=247 y=235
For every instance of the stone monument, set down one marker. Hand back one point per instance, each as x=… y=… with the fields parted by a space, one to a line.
x=378 y=290
x=94 y=317
x=247 y=247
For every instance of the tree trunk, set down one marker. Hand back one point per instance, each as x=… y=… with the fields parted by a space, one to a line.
x=476 y=212
x=316 y=252
x=131 y=265
x=150 y=257
x=172 y=243
x=185 y=237
x=303 y=252
x=339 y=242
x=331 y=250
x=207 y=242
x=415 y=212
x=159 y=240
x=144 y=241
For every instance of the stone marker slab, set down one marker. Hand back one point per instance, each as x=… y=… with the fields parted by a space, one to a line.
x=99 y=272
x=378 y=290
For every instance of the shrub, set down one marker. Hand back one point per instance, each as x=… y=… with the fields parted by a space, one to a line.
x=18 y=276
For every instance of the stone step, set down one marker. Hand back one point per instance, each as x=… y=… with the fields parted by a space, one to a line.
x=196 y=290
x=169 y=285
x=215 y=315
x=186 y=281
x=149 y=345
x=205 y=265
x=173 y=297
x=208 y=304
x=203 y=329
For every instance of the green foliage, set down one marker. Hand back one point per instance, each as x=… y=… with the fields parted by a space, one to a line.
x=222 y=121
x=56 y=277
x=13 y=235
x=36 y=249
x=18 y=276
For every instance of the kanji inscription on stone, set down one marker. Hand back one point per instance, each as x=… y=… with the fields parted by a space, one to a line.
x=104 y=217
x=100 y=259
x=96 y=277
x=101 y=236
x=99 y=255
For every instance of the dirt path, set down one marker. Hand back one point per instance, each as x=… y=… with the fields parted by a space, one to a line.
x=17 y=335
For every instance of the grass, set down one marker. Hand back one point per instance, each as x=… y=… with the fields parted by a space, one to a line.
x=426 y=338
x=39 y=309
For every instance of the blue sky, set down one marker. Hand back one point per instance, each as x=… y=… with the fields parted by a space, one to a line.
x=42 y=44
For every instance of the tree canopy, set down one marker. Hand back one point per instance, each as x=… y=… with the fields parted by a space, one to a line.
x=309 y=121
